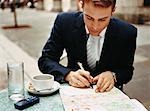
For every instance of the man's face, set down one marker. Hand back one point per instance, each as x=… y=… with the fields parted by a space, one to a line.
x=96 y=18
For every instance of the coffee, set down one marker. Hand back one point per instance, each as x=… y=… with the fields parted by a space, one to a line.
x=42 y=77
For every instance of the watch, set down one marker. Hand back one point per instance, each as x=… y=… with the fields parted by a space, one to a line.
x=114 y=76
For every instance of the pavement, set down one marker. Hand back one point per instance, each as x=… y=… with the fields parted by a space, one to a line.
x=10 y=52
x=26 y=44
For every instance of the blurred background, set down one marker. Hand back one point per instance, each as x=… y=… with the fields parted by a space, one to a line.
x=25 y=26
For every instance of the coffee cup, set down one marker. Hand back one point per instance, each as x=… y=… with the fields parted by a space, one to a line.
x=42 y=81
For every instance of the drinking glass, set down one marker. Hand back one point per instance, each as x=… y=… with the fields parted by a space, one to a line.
x=15 y=72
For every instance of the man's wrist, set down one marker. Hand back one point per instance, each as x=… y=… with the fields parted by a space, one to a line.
x=68 y=76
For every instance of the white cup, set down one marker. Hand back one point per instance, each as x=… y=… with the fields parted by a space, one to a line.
x=43 y=81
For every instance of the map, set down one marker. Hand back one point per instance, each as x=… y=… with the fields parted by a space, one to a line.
x=85 y=99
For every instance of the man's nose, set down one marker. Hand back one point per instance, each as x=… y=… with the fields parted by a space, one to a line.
x=95 y=26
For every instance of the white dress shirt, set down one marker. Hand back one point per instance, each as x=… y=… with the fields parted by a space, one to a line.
x=97 y=44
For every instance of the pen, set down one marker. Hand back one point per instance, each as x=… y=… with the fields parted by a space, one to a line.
x=81 y=67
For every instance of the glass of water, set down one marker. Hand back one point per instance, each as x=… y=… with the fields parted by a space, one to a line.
x=15 y=72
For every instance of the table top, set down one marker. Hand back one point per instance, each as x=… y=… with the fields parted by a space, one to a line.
x=51 y=102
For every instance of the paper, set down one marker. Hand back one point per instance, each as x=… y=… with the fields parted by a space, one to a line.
x=77 y=99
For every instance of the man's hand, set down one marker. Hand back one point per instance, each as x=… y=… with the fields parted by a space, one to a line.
x=79 y=78
x=105 y=81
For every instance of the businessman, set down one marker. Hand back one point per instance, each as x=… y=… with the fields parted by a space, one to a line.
x=105 y=46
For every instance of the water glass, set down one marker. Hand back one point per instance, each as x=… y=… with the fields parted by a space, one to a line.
x=15 y=72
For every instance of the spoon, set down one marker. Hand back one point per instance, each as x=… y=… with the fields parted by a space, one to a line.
x=44 y=89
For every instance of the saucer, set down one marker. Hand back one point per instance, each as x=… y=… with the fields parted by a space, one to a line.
x=31 y=89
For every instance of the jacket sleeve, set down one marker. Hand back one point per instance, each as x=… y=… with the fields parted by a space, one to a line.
x=124 y=74
x=49 y=61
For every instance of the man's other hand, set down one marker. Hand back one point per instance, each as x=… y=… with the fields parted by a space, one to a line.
x=105 y=81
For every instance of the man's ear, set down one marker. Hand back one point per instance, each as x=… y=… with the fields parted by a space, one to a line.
x=113 y=10
x=81 y=3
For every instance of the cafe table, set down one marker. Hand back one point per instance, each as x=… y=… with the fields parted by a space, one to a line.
x=50 y=102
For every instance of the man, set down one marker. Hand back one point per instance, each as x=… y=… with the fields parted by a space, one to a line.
x=105 y=46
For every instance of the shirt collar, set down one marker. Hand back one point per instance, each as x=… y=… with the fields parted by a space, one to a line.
x=102 y=34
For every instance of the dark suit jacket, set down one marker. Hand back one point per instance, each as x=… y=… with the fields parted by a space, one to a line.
x=69 y=32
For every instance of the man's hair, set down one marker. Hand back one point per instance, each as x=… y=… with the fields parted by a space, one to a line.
x=101 y=3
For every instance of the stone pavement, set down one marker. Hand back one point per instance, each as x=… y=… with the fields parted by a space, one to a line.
x=11 y=52
x=31 y=41
x=40 y=23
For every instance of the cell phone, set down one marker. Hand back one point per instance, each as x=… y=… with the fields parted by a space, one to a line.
x=25 y=103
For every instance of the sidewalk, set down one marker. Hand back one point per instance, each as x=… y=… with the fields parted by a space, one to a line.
x=11 y=52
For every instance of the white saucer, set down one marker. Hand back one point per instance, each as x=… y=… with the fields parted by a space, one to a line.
x=55 y=87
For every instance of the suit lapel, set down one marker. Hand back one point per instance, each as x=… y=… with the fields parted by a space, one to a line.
x=81 y=40
x=107 y=42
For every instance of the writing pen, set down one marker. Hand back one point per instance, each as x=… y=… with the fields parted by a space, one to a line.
x=81 y=67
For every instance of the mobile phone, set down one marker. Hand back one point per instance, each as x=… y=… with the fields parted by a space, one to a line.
x=25 y=103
